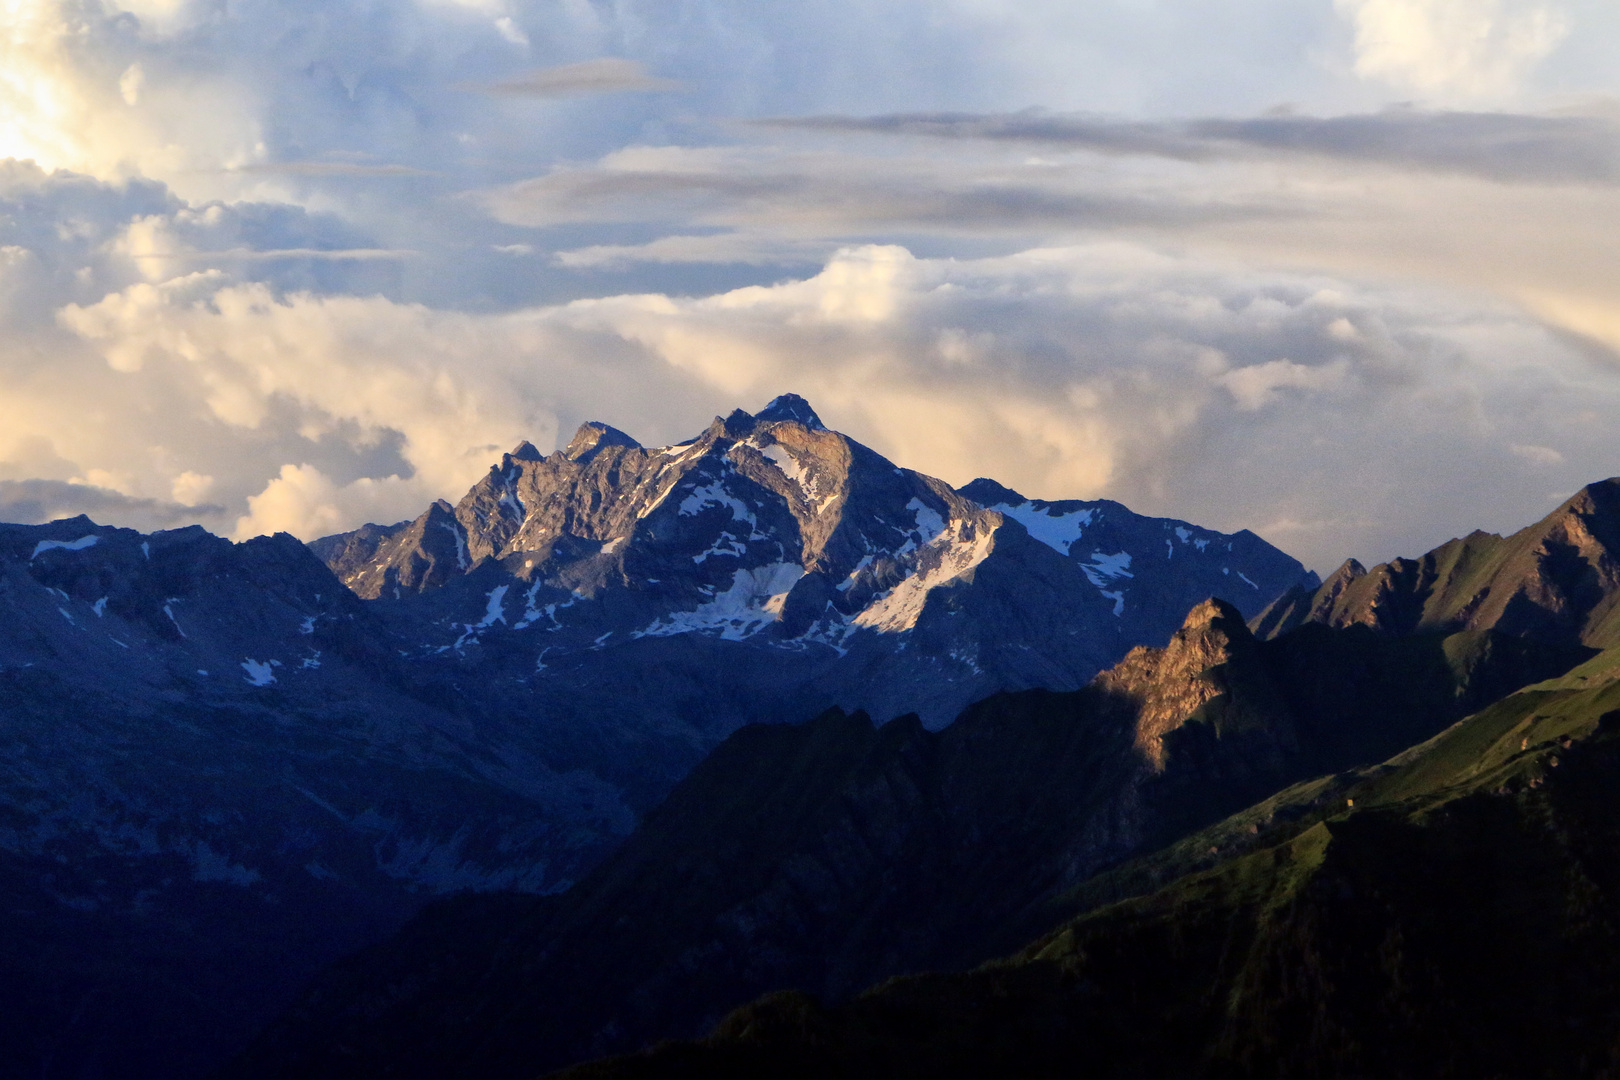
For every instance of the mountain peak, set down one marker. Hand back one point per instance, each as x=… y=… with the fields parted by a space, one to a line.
x=592 y=436
x=525 y=451
x=790 y=407
x=1211 y=612
x=1349 y=571
x=987 y=492
x=1167 y=686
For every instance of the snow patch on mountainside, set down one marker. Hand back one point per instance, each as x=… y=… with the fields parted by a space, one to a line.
x=948 y=556
x=1056 y=531
x=462 y=559
x=928 y=527
x=790 y=466
x=753 y=602
x=778 y=455
x=494 y=612
x=715 y=494
x=1109 y=568
x=1102 y=566
x=65 y=545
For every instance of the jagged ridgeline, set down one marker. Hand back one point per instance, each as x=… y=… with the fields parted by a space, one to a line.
x=224 y=769
x=829 y=856
x=1451 y=913
x=1558 y=580
x=853 y=581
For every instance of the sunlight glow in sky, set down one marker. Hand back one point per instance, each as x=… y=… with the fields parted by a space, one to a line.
x=1339 y=271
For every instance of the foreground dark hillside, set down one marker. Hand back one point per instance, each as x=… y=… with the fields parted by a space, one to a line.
x=1454 y=913
x=832 y=855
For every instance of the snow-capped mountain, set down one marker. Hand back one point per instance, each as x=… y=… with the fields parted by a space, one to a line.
x=223 y=767
x=855 y=582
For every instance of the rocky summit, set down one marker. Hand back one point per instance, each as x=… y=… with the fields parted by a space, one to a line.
x=822 y=572
x=228 y=764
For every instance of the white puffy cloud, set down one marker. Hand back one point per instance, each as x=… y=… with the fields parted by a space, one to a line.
x=1335 y=417
x=303 y=501
x=1454 y=48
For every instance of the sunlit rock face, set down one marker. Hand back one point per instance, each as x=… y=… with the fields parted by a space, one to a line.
x=227 y=764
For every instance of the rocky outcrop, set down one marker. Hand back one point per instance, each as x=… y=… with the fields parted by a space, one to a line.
x=1165 y=687
x=377 y=561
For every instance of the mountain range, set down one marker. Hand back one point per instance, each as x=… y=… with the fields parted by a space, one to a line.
x=1338 y=847
x=227 y=765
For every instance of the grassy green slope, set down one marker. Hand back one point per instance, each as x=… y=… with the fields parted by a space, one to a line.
x=1454 y=912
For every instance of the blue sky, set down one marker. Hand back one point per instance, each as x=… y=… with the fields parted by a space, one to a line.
x=1336 y=271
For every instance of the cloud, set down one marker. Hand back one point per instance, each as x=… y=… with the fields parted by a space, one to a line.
x=423 y=400
x=1537 y=455
x=330 y=168
x=283 y=279
x=305 y=502
x=608 y=75
x=1508 y=147
x=729 y=247
x=833 y=193
x=1522 y=207
x=68 y=417
x=1460 y=48
x=1373 y=421
x=33 y=502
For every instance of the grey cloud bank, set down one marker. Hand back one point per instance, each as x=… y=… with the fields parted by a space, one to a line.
x=1505 y=147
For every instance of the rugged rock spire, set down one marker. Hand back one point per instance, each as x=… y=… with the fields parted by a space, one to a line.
x=1167 y=686
x=591 y=437
x=790 y=407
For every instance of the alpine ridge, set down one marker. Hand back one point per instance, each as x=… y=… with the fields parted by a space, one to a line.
x=1558 y=579
x=861 y=584
x=1448 y=913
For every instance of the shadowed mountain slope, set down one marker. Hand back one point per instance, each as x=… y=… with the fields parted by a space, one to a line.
x=214 y=780
x=1558 y=580
x=831 y=855
x=1452 y=913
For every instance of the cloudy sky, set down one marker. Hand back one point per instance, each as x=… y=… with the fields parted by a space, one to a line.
x=1343 y=272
